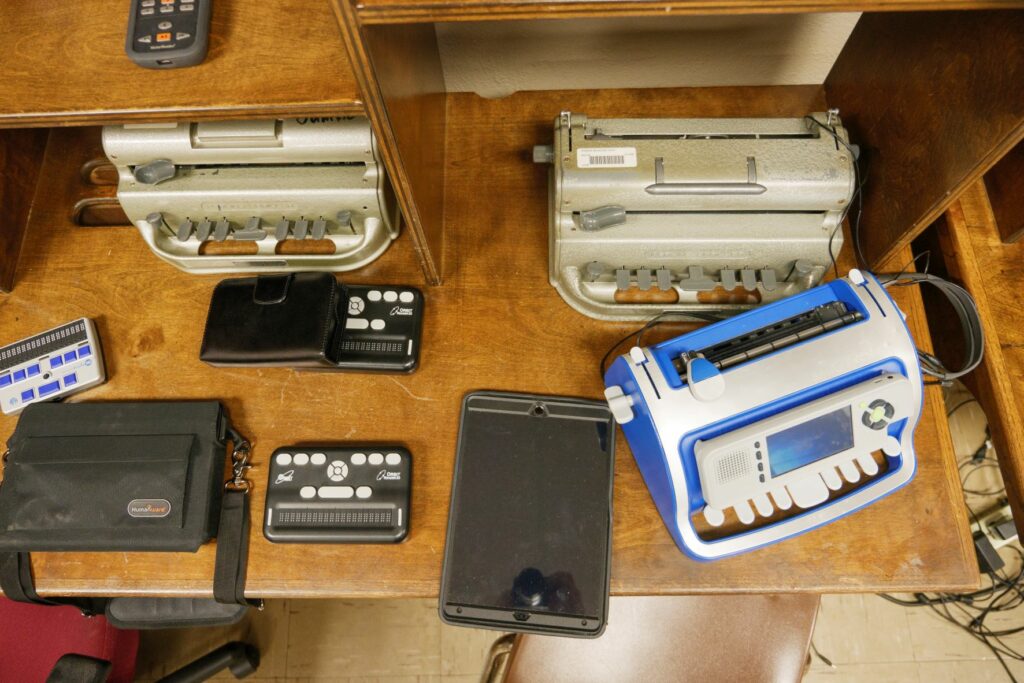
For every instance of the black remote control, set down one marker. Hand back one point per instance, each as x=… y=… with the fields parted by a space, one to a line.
x=167 y=34
x=382 y=329
x=338 y=494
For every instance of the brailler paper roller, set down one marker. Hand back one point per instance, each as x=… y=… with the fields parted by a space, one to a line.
x=774 y=422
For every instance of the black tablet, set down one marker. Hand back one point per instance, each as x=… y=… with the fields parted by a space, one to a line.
x=529 y=530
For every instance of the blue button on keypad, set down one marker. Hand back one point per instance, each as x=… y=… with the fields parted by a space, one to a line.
x=56 y=362
x=84 y=351
x=49 y=388
x=70 y=379
x=28 y=395
x=19 y=375
x=5 y=380
x=69 y=356
x=33 y=370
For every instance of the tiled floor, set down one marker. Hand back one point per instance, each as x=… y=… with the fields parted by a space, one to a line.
x=403 y=641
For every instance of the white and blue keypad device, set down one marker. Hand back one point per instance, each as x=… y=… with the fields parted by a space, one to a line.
x=51 y=365
x=776 y=421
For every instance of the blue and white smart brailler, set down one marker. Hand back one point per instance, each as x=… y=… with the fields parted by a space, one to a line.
x=773 y=416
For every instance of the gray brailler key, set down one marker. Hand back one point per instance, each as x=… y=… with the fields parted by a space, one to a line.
x=664 y=276
x=301 y=228
x=220 y=231
x=728 y=277
x=253 y=231
x=749 y=279
x=622 y=279
x=643 y=278
x=281 y=232
x=319 y=229
x=185 y=230
x=203 y=231
x=768 y=278
x=345 y=219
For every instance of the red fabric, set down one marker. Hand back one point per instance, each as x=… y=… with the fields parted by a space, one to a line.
x=34 y=637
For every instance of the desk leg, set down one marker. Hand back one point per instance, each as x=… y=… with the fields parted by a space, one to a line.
x=21 y=157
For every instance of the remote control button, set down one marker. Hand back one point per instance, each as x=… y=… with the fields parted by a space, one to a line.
x=364 y=492
x=148 y=3
x=337 y=471
x=301 y=459
x=376 y=458
x=355 y=305
x=307 y=492
x=28 y=395
x=5 y=380
x=373 y=295
x=19 y=375
x=187 y=7
x=70 y=356
x=390 y=296
x=145 y=40
x=406 y=297
x=70 y=379
x=146 y=12
x=166 y=9
x=84 y=351
x=318 y=459
x=335 y=491
x=356 y=323
x=359 y=458
x=181 y=35
x=393 y=459
x=56 y=362
x=377 y=324
x=163 y=37
x=32 y=370
x=164 y=25
x=283 y=459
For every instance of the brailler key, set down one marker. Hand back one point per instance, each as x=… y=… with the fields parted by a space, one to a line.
x=301 y=228
x=319 y=228
x=203 y=230
x=622 y=279
x=643 y=279
x=281 y=232
x=220 y=231
x=344 y=219
x=185 y=230
x=664 y=276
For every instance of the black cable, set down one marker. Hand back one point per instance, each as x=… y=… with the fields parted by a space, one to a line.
x=958 y=406
x=970 y=321
x=654 y=322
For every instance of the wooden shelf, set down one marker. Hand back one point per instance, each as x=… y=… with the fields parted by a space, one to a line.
x=417 y=11
x=993 y=272
x=495 y=323
x=64 y=64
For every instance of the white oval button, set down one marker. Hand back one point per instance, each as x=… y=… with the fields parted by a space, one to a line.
x=363 y=492
x=406 y=297
x=373 y=295
x=301 y=459
x=307 y=492
x=284 y=459
x=377 y=324
x=393 y=459
x=335 y=491
x=376 y=458
x=318 y=459
x=358 y=458
x=390 y=296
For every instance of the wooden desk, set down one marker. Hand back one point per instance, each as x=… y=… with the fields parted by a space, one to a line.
x=496 y=323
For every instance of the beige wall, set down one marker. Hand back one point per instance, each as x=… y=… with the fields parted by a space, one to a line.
x=496 y=59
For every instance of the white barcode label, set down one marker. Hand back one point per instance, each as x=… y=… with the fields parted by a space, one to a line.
x=606 y=157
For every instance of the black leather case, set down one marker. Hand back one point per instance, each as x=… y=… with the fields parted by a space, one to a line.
x=290 y=320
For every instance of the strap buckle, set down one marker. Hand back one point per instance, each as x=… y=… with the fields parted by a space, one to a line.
x=239 y=465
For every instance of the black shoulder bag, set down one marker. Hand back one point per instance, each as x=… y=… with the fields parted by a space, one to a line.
x=131 y=476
